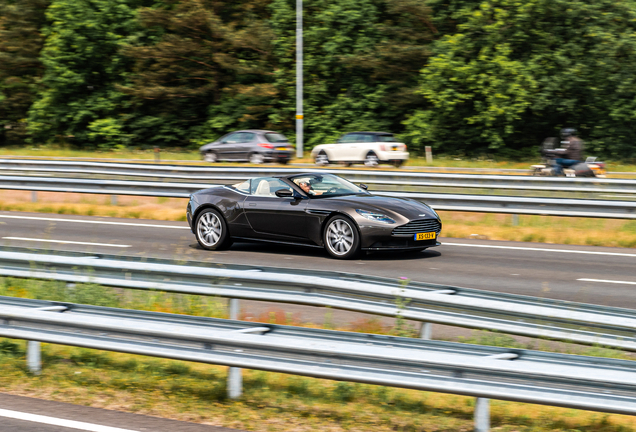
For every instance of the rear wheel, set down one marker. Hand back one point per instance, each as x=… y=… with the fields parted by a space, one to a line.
x=211 y=230
x=322 y=158
x=397 y=163
x=283 y=161
x=371 y=160
x=210 y=157
x=341 y=238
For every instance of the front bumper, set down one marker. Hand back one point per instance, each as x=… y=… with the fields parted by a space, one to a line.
x=374 y=236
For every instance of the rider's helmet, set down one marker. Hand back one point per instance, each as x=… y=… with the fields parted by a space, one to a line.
x=568 y=132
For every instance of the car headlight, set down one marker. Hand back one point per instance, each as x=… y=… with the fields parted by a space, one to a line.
x=378 y=217
x=433 y=211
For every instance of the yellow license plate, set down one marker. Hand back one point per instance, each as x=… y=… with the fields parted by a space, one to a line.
x=394 y=148
x=281 y=148
x=425 y=236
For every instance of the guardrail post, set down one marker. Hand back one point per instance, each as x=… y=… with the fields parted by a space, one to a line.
x=34 y=196
x=113 y=200
x=34 y=357
x=234 y=375
x=426 y=331
x=482 y=415
x=515 y=219
x=429 y=154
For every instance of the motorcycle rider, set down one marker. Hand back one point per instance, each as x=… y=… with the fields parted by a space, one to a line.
x=571 y=153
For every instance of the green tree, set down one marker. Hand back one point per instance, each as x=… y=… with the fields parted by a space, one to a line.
x=505 y=74
x=79 y=103
x=20 y=67
x=206 y=71
x=362 y=60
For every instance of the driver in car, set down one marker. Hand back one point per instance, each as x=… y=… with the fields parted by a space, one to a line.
x=306 y=187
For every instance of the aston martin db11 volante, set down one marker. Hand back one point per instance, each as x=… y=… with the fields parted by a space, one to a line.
x=311 y=209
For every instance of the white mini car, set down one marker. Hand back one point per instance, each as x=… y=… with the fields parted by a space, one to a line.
x=370 y=148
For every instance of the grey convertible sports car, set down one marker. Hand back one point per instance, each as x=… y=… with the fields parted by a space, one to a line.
x=311 y=209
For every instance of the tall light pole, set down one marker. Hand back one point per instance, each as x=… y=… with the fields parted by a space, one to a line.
x=299 y=78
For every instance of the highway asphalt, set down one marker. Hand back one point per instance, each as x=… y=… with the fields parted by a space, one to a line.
x=24 y=414
x=523 y=268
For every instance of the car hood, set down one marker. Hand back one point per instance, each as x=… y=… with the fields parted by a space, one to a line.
x=390 y=206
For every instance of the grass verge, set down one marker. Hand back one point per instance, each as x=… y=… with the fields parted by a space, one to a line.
x=271 y=401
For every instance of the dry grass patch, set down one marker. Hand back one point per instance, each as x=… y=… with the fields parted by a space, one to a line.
x=135 y=207
x=543 y=229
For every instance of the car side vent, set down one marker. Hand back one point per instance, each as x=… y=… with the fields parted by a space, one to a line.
x=418 y=226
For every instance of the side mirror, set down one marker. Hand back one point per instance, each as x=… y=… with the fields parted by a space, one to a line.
x=363 y=186
x=284 y=193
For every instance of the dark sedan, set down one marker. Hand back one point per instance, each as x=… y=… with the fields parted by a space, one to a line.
x=255 y=146
x=312 y=209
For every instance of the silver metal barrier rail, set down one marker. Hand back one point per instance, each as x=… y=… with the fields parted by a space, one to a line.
x=598 y=384
x=372 y=177
x=427 y=303
x=449 y=202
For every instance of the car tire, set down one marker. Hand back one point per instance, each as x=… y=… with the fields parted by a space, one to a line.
x=347 y=164
x=371 y=159
x=211 y=230
x=210 y=157
x=397 y=163
x=341 y=238
x=322 y=159
x=283 y=161
x=256 y=158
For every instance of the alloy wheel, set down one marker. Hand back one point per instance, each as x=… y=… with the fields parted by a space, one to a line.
x=210 y=229
x=340 y=237
x=257 y=158
x=371 y=160
x=210 y=157
x=322 y=159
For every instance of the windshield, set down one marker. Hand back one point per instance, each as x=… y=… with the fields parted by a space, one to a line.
x=326 y=185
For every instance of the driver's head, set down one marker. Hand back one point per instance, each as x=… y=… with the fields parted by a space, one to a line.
x=304 y=186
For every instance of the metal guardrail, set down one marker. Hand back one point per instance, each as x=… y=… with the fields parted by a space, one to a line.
x=598 y=384
x=374 y=177
x=448 y=202
x=424 y=302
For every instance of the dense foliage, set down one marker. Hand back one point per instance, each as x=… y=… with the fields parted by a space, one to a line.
x=465 y=76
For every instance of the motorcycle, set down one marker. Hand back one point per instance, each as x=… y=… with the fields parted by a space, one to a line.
x=590 y=168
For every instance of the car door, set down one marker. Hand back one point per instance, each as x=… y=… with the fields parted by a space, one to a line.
x=228 y=146
x=344 y=148
x=245 y=145
x=351 y=148
x=274 y=217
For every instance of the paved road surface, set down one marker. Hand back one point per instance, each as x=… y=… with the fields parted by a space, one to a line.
x=523 y=268
x=22 y=414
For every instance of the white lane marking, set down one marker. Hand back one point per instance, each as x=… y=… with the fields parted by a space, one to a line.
x=542 y=249
x=60 y=422
x=607 y=281
x=67 y=242
x=93 y=222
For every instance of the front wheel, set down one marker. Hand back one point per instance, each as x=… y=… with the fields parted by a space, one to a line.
x=257 y=158
x=341 y=238
x=322 y=159
x=210 y=157
x=211 y=230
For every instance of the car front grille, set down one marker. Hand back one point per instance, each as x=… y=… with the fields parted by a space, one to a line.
x=418 y=226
